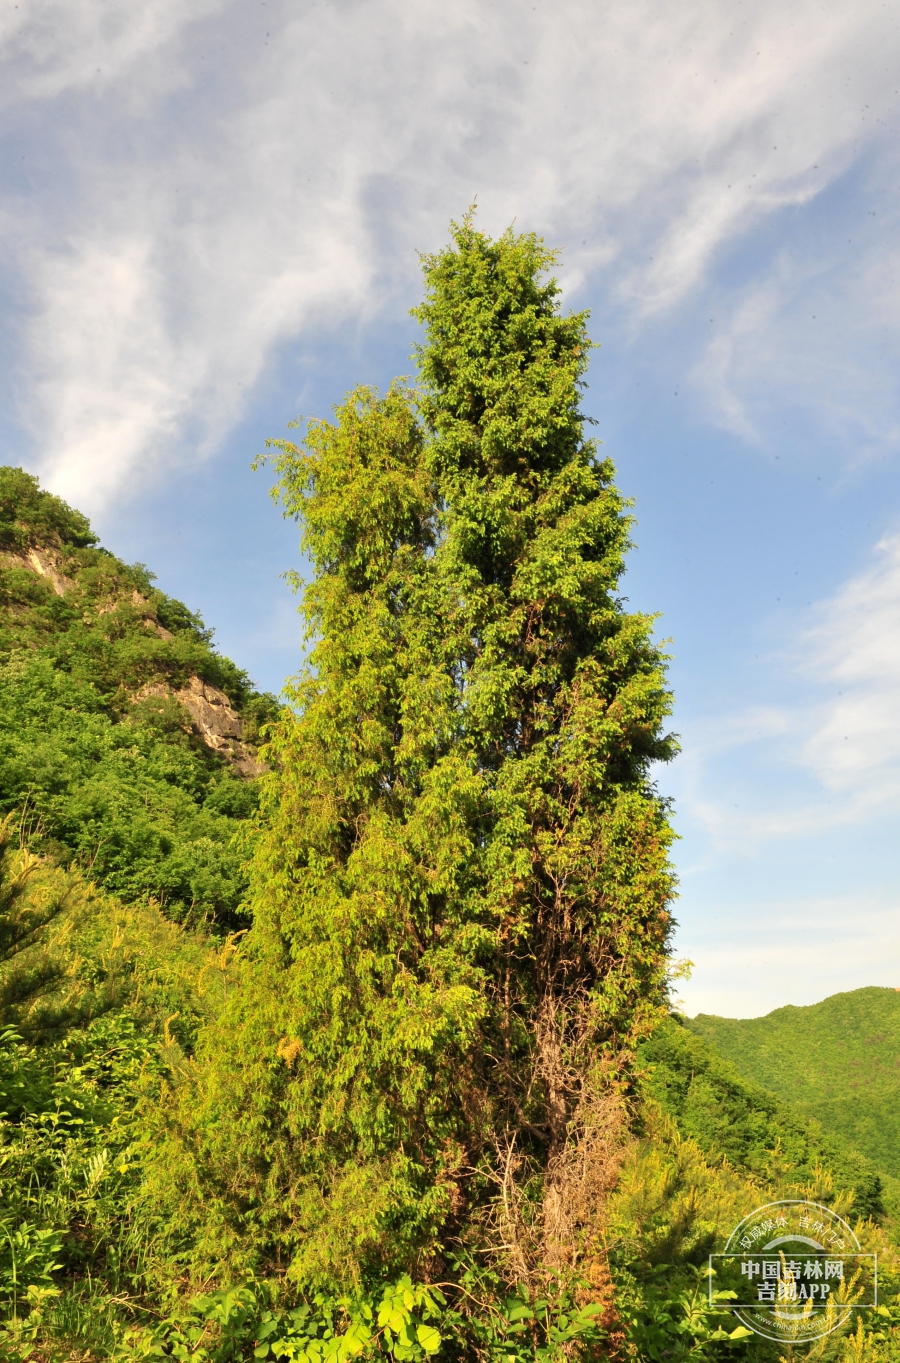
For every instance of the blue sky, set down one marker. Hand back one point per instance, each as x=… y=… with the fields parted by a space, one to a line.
x=210 y=214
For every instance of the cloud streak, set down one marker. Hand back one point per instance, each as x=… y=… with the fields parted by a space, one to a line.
x=815 y=332
x=229 y=179
x=830 y=758
x=855 y=647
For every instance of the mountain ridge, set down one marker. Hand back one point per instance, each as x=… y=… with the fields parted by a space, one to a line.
x=837 y=1061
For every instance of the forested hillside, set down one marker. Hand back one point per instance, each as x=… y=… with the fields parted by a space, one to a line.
x=128 y=763
x=342 y=1029
x=127 y=743
x=732 y=1118
x=837 y=1061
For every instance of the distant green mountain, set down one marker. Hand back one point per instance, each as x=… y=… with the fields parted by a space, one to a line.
x=837 y=1061
x=756 y=1131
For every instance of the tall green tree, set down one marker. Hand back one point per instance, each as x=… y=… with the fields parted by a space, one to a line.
x=461 y=888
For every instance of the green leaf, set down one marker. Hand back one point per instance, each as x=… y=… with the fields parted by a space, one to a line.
x=429 y=1338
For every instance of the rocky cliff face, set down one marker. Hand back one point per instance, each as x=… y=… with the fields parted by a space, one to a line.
x=213 y=717
x=45 y=563
x=216 y=721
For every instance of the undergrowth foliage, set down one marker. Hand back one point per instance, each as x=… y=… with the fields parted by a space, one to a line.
x=97 y=1001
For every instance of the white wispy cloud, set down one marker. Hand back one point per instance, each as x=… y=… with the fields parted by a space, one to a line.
x=816 y=331
x=831 y=756
x=855 y=648
x=51 y=47
x=233 y=177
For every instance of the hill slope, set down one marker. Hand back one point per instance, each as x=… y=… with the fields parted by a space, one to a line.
x=837 y=1061
x=126 y=741
x=731 y=1117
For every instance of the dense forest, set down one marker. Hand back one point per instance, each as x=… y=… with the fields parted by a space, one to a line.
x=838 y=1061
x=340 y=1026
